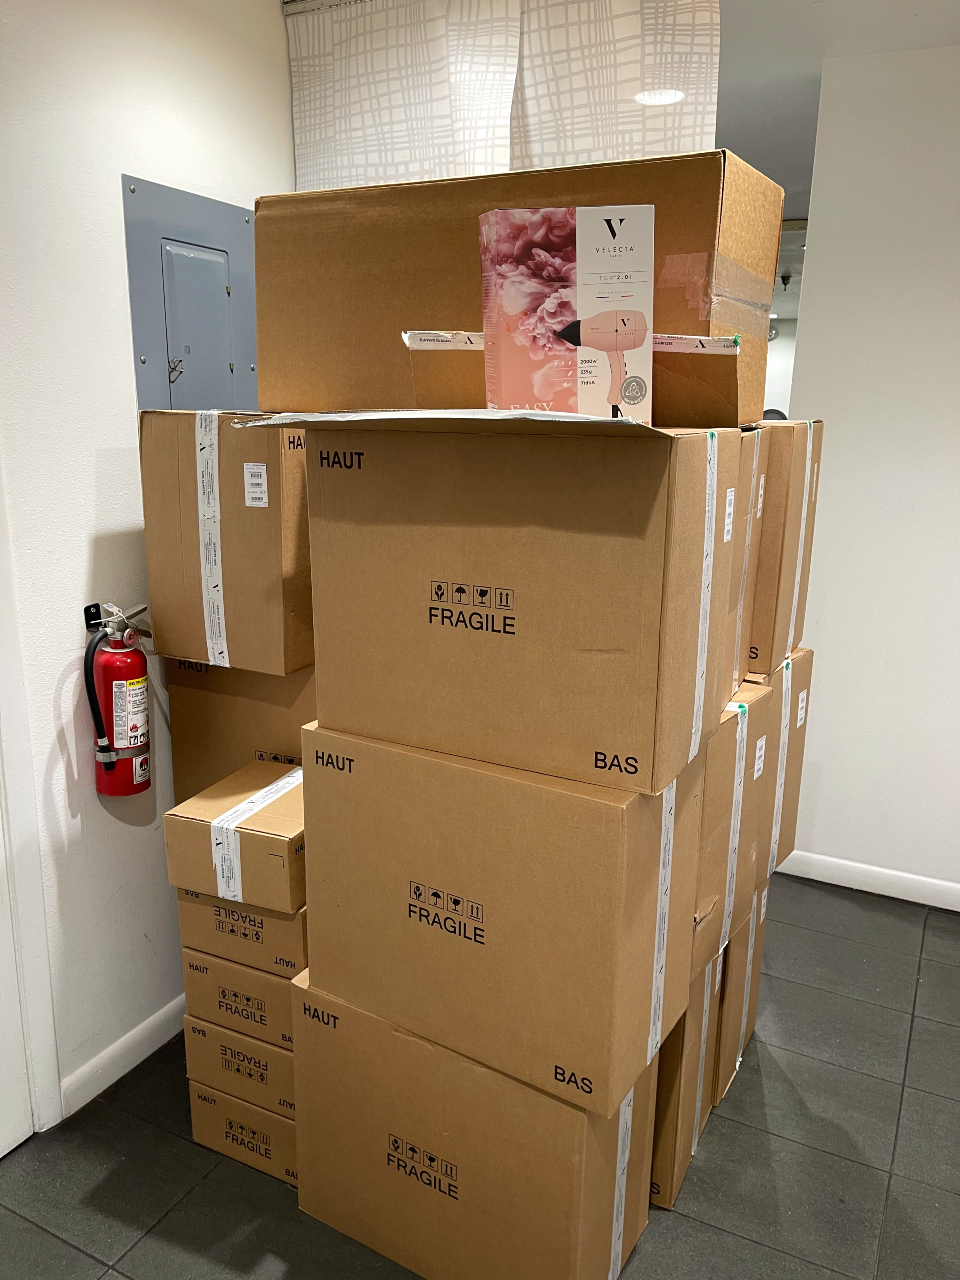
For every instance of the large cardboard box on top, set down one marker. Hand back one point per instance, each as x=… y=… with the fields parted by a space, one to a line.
x=267 y=869
x=456 y=1171
x=777 y=828
x=549 y=593
x=541 y=926
x=739 y=772
x=225 y=517
x=741 y=992
x=685 y=1077
x=222 y=719
x=786 y=542
x=340 y=274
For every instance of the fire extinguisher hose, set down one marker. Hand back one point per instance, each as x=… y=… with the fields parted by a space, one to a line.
x=105 y=754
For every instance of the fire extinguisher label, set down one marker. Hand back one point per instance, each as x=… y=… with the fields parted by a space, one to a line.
x=130 y=723
x=141 y=769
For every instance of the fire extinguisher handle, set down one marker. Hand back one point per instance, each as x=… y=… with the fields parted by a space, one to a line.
x=105 y=754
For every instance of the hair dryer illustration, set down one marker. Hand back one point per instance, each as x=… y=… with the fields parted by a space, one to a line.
x=613 y=332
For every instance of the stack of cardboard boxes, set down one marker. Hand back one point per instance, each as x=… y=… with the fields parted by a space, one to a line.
x=556 y=753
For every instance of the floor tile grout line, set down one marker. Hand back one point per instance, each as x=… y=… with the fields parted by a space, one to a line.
x=808 y=1146
x=765 y=973
x=759 y=1243
x=903 y=1087
x=838 y=1066
x=841 y=937
x=61 y=1239
x=153 y=1226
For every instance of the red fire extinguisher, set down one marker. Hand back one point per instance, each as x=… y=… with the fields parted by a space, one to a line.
x=115 y=676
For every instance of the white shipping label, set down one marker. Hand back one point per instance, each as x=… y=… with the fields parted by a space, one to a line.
x=208 y=511
x=758 y=759
x=703 y=1054
x=130 y=719
x=461 y=340
x=816 y=481
x=225 y=839
x=728 y=515
x=624 y=1132
x=763 y=479
x=803 y=534
x=749 y=979
x=781 y=765
x=733 y=845
x=802 y=708
x=255 y=484
x=706 y=587
x=763 y=906
x=663 y=918
x=716 y=987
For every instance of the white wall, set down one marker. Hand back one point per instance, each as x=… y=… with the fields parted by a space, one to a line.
x=881 y=792
x=780 y=354
x=195 y=96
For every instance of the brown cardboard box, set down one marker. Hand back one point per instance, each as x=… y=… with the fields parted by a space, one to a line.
x=249 y=1069
x=541 y=926
x=321 y=303
x=783 y=571
x=741 y=990
x=603 y=656
x=235 y=1128
x=270 y=940
x=685 y=1085
x=740 y=760
x=751 y=484
x=455 y=1170
x=777 y=828
x=233 y=995
x=222 y=719
x=264 y=584
x=268 y=871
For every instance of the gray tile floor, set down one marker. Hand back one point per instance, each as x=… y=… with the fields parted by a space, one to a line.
x=836 y=1151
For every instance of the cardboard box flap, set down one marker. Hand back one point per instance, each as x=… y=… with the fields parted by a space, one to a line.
x=282 y=817
x=461 y=421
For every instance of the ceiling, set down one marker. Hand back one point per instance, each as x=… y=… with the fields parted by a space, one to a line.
x=771 y=52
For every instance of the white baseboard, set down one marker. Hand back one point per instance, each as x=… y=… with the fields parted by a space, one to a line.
x=861 y=875
x=122 y=1056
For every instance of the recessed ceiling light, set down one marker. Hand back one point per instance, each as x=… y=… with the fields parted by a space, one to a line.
x=659 y=97
x=774 y=316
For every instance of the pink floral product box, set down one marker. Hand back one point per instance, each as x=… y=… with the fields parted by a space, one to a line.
x=568 y=309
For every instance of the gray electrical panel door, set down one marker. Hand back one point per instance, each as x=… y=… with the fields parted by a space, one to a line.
x=196 y=301
x=192 y=303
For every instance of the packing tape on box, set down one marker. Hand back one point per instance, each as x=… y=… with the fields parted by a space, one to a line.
x=624 y=1132
x=225 y=839
x=706 y=586
x=743 y=721
x=663 y=918
x=461 y=340
x=749 y=978
x=207 y=439
x=781 y=765
x=746 y=557
x=707 y=978
x=803 y=535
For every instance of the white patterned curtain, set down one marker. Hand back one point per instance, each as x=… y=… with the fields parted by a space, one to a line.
x=407 y=90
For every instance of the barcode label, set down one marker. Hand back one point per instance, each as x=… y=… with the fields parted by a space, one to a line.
x=802 y=709
x=758 y=761
x=728 y=515
x=255 y=484
x=760 y=496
